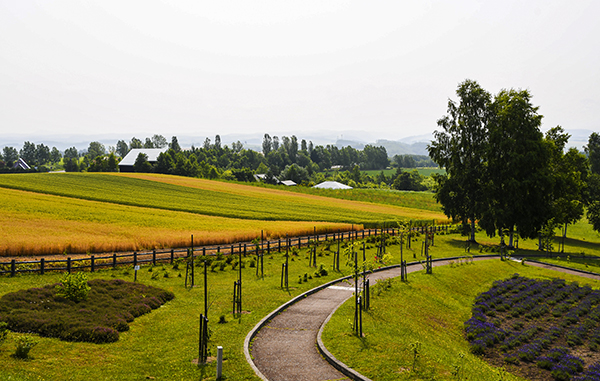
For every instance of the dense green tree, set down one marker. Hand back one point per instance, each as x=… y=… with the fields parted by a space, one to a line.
x=409 y=181
x=237 y=147
x=71 y=153
x=267 y=144
x=175 y=144
x=42 y=154
x=10 y=155
x=159 y=141
x=142 y=164
x=592 y=149
x=148 y=143
x=519 y=182
x=71 y=165
x=374 y=158
x=55 y=155
x=122 y=148
x=95 y=149
x=593 y=205
x=135 y=143
x=217 y=142
x=27 y=153
x=295 y=173
x=275 y=143
x=165 y=162
x=243 y=174
x=460 y=148
x=569 y=175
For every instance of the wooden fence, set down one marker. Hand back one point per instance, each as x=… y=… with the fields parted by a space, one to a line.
x=113 y=260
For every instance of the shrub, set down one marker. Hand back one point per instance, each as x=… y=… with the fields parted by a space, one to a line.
x=74 y=287
x=24 y=345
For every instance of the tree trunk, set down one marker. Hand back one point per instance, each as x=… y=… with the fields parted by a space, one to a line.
x=511 y=237
x=564 y=237
x=472 y=230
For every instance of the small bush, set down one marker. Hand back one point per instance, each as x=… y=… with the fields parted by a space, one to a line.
x=24 y=345
x=74 y=287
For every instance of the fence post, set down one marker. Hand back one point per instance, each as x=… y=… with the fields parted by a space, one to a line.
x=154 y=257
x=92 y=263
x=69 y=265
x=42 y=261
x=12 y=268
x=172 y=255
x=134 y=258
x=114 y=260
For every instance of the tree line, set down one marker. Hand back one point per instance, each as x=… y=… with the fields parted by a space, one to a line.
x=504 y=175
x=284 y=158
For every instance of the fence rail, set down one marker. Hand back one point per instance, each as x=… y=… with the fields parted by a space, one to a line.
x=113 y=260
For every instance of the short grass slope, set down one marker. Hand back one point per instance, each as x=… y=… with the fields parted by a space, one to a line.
x=109 y=307
x=415 y=330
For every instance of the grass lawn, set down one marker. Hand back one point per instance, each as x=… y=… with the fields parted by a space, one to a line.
x=163 y=343
x=430 y=310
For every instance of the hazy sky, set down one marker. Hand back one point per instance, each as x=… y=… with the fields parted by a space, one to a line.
x=206 y=67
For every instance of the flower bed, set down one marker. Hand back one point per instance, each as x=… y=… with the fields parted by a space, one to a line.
x=539 y=329
x=109 y=307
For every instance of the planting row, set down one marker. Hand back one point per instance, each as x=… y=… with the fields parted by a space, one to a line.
x=540 y=323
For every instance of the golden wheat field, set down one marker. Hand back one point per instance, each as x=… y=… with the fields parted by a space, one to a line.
x=36 y=219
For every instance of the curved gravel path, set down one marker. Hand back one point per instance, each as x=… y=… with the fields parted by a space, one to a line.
x=284 y=344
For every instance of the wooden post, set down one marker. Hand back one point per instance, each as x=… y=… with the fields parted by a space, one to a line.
x=114 y=260
x=69 y=265
x=134 y=258
x=12 y=268
x=92 y=264
x=154 y=257
x=42 y=261
x=172 y=255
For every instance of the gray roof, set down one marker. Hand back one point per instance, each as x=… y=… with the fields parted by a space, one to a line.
x=288 y=183
x=332 y=185
x=152 y=154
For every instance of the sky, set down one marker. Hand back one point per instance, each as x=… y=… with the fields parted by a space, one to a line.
x=200 y=68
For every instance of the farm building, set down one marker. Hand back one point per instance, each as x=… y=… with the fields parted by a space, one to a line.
x=126 y=165
x=21 y=164
x=332 y=185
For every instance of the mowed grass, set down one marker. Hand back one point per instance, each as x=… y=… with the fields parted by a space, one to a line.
x=39 y=224
x=430 y=310
x=162 y=344
x=200 y=197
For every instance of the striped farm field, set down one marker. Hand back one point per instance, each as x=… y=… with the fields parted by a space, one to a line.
x=45 y=224
x=85 y=212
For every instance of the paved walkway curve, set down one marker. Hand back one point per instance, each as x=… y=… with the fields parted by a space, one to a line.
x=286 y=344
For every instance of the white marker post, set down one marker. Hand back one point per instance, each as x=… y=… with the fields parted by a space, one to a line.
x=219 y=362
